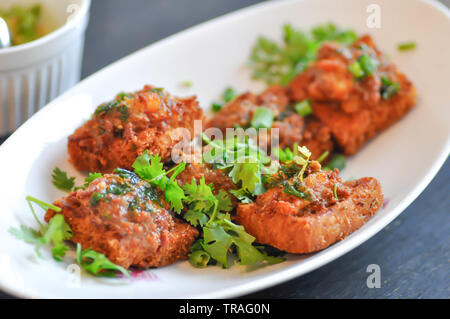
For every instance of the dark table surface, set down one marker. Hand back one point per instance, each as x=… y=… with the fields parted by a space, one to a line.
x=413 y=252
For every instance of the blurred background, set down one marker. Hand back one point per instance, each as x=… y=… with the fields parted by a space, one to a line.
x=413 y=251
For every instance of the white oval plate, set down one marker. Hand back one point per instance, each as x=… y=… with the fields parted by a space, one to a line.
x=404 y=158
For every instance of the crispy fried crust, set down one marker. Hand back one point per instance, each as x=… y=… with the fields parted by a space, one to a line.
x=303 y=226
x=354 y=110
x=129 y=228
x=114 y=137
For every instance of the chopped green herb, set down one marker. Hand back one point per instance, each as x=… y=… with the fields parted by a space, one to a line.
x=335 y=187
x=53 y=234
x=244 y=161
x=279 y=64
x=303 y=108
x=406 y=46
x=98 y=264
x=368 y=64
x=117 y=106
x=229 y=94
x=291 y=190
x=388 y=88
x=216 y=107
x=61 y=181
x=187 y=83
x=96 y=197
x=356 y=70
x=302 y=160
x=364 y=66
x=262 y=118
x=243 y=195
x=150 y=168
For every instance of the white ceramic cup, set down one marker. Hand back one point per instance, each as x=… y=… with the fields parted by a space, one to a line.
x=34 y=73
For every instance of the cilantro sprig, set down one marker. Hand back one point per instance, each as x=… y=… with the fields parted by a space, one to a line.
x=277 y=63
x=55 y=233
x=61 y=181
x=221 y=238
x=243 y=161
x=151 y=169
x=98 y=264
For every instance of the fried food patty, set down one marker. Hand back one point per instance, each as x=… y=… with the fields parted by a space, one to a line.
x=126 y=219
x=328 y=214
x=355 y=110
x=121 y=130
x=216 y=177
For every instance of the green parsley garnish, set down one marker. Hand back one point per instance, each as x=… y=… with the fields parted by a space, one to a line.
x=150 y=168
x=221 y=237
x=53 y=234
x=279 y=64
x=335 y=187
x=62 y=181
x=292 y=190
x=229 y=94
x=388 y=88
x=242 y=159
x=216 y=107
x=98 y=264
x=406 y=46
x=364 y=66
x=187 y=83
x=303 y=108
x=262 y=118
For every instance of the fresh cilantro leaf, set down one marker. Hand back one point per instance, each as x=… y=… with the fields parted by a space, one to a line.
x=279 y=64
x=291 y=190
x=217 y=243
x=262 y=118
x=56 y=233
x=98 y=264
x=62 y=181
x=195 y=217
x=53 y=234
x=249 y=174
x=27 y=234
x=224 y=202
x=175 y=196
x=388 y=87
x=243 y=195
x=303 y=108
x=229 y=94
x=150 y=168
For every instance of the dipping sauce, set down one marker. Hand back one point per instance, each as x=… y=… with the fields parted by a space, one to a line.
x=25 y=23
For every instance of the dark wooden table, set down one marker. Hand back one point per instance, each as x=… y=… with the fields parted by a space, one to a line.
x=413 y=252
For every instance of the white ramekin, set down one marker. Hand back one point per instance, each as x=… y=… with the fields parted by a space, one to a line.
x=34 y=73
